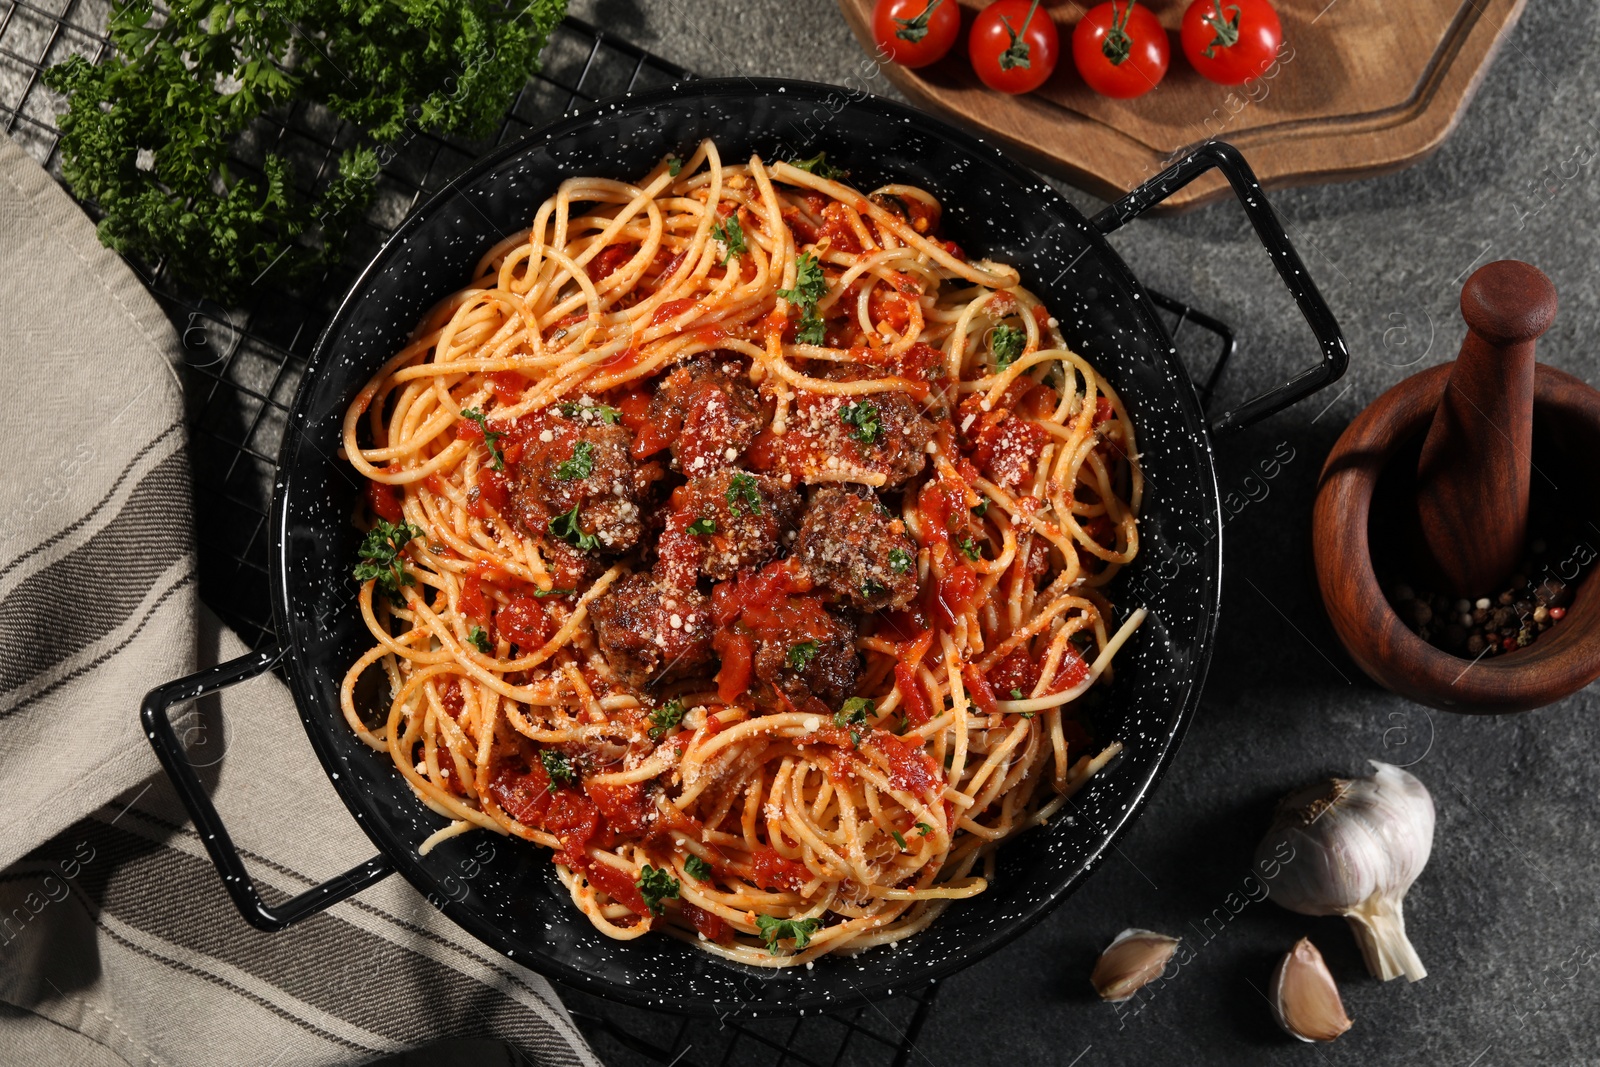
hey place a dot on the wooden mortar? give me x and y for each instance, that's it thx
(1453, 448)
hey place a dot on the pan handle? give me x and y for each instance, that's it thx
(169, 750)
(1226, 158)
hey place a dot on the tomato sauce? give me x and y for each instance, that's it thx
(906, 625)
(454, 703)
(525, 623)
(949, 598)
(889, 309)
(837, 230)
(627, 359)
(920, 362)
(671, 310)
(943, 505)
(491, 494)
(384, 502)
(1072, 670)
(627, 809)
(524, 795)
(910, 768)
(771, 871)
(704, 922)
(804, 232)
(913, 697)
(1019, 673)
(618, 885)
(610, 258)
(507, 386)
(979, 690)
(474, 602)
(1015, 675)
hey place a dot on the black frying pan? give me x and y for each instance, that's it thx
(994, 208)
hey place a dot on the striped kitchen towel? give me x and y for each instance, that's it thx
(117, 941)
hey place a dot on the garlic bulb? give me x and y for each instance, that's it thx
(1305, 999)
(1133, 960)
(1353, 848)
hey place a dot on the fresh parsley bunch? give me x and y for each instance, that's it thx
(148, 133)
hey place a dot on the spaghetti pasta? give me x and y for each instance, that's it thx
(736, 537)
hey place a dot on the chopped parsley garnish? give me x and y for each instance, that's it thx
(901, 723)
(491, 438)
(703, 526)
(1008, 342)
(871, 588)
(899, 839)
(819, 165)
(811, 330)
(608, 414)
(981, 508)
(1016, 694)
(801, 653)
(854, 712)
(666, 718)
(557, 766)
(542, 593)
(565, 526)
(581, 465)
(797, 930)
(915, 29)
(810, 284)
(970, 549)
(480, 638)
(743, 495)
(674, 166)
(656, 885)
(730, 235)
(697, 868)
(899, 560)
(924, 829)
(380, 556)
(863, 415)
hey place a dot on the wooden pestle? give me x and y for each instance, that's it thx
(1475, 469)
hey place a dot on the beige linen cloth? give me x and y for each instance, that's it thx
(117, 941)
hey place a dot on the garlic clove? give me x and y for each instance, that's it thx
(1132, 961)
(1305, 999)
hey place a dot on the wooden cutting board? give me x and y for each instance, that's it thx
(1363, 87)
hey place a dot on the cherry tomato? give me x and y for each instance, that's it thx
(1120, 49)
(1231, 42)
(1013, 46)
(914, 33)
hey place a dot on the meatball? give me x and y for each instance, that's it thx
(857, 552)
(875, 433)
(779, 643)
(819, 664)
(723, 523)
(650, 632)
(710, 410)
(575, 480)
(569, 567)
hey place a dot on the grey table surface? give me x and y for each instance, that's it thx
(1505, 915)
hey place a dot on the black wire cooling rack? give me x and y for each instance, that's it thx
(241, 370)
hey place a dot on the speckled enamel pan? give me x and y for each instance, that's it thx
(504, 891)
